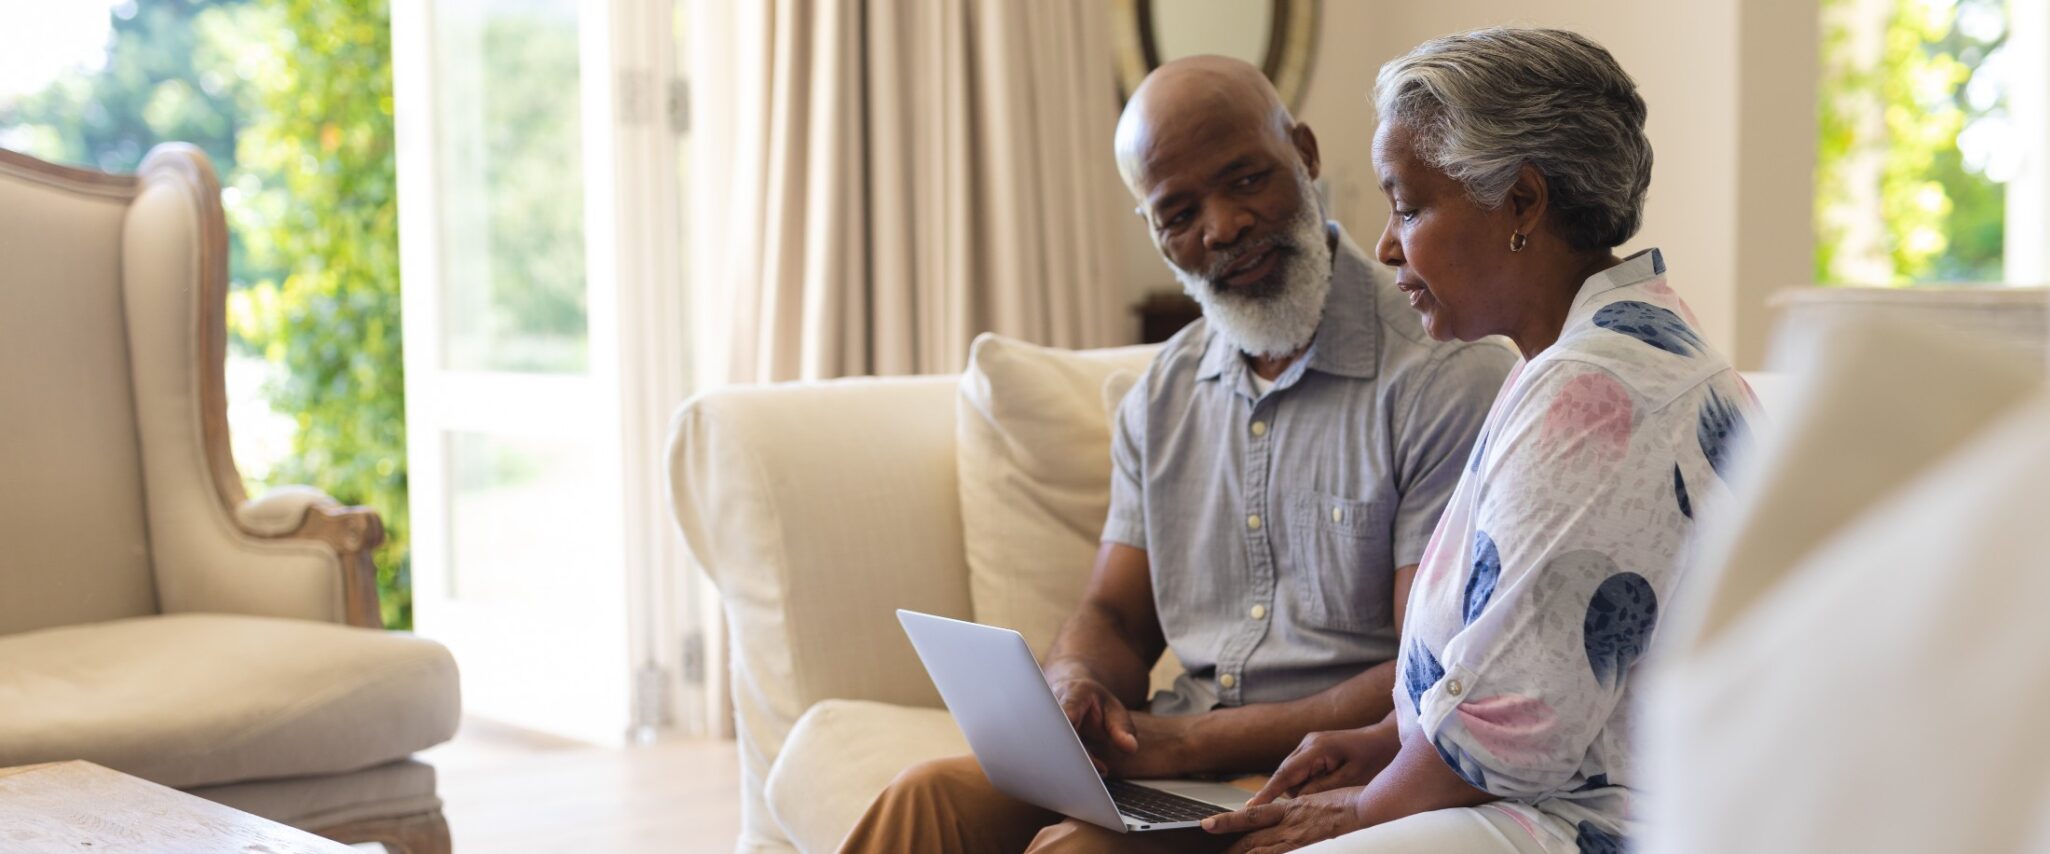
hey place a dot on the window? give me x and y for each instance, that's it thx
(1926, 115)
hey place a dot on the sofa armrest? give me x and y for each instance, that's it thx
(818, 510)
(306, 513)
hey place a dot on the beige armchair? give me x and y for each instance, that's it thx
(152, 618)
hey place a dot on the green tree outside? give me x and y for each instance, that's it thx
(326, 217)
(1895, 202)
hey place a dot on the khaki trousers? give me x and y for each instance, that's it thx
(949, 805)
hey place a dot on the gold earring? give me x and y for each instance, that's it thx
(1517, 241)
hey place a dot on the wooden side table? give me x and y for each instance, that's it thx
(82, 807)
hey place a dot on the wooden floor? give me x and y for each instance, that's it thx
(510, 791)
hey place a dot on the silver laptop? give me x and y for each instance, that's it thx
(1024, 742)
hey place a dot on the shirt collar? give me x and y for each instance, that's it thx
(1348, 337)
(1637, 269)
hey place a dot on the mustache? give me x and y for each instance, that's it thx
(1226, 258)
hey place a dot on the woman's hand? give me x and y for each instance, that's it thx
(1288, 825)
(1332, 760)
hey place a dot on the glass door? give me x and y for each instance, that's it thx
(532, 305)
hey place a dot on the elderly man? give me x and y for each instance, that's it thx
(1278, 473)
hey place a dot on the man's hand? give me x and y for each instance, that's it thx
(1164, 749)
(1123, 743)
(1288, 825)
(1103, 723)
(1332, 760)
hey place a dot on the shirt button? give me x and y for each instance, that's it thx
(1259, 428)
(1227, 680)
(1259, 612)
(1453, 687)
(1337, 514)
(1253, 521)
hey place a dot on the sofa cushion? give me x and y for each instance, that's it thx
(1033, 448)
(204, 699)
(841, 755)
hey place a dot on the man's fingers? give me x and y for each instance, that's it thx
(1117, 723)
(1262, 841)
(1087, 716)
(1077, 707)
(1249, 818)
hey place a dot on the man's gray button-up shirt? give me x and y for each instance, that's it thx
(1274, 523)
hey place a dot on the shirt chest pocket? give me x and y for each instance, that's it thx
(1340, 577)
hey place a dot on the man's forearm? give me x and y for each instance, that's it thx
(1257, 737)
(1093, 644)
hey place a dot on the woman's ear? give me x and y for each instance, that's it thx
(1528, 199)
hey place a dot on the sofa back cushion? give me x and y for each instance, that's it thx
(1034, 460)
(71, 510)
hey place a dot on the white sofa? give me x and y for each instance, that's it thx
(820, 508)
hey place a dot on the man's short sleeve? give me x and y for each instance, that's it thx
(1126, 523)
(1435, 441)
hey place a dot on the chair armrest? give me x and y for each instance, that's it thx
(818, 510)
(306, 513)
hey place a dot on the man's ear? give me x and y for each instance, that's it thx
(1529, 198)
(1305, 143)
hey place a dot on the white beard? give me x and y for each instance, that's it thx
(1276, 317)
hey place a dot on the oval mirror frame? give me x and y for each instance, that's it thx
(1291, 45)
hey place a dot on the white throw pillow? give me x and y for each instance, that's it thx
(1034, 461)
(1865, 664)
(1888, 696)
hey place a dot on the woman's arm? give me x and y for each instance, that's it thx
(1417, 781)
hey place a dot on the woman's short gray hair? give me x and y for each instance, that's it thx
(1481, 104)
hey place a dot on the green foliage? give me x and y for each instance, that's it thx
(1894, 201)
(325, 214)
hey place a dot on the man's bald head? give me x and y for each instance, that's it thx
(1225, 179)
(1192, 100)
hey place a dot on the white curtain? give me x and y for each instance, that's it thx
(880, 180)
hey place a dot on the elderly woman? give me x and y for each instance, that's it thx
(1515, 162)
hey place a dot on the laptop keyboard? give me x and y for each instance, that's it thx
(1157, 806)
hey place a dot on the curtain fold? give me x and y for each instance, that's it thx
(901, 175)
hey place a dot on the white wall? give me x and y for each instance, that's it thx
(1730, 85)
